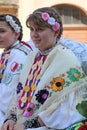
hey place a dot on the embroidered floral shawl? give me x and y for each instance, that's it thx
(61, 74)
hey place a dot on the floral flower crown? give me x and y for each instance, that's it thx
(13, 24)
(50, 20)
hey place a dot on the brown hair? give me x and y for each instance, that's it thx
(36, 18)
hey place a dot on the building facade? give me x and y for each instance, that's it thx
(73, 13)
(9, 6)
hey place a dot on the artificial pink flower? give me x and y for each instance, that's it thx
(31, 105)
(45, 16)
(51, 21)
(29, 111)
(56, 26)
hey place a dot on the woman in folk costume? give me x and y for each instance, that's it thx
(11, 59)
(78, 48)
(52, 83)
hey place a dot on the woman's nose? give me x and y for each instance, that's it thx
(35, 33)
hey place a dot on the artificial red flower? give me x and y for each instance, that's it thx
(83, 127)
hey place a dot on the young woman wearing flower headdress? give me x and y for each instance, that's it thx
(52, 82)
(11, 59)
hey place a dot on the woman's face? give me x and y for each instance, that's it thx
(7, 35)
(43, 38)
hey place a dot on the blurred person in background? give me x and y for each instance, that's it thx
(11, 59)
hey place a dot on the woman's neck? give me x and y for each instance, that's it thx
(47, 51)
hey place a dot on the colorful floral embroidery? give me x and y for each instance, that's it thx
(3, 63)
(57, 84)
(42, 95)
(33, 87)
(29, 111)
(37, 106)
(26, 88)
(19, 88)
(74, 74)
(16, 67)
(25, 101)
(30, 86)
(67, 84)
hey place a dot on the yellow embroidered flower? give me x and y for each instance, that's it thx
(6, 56)
(30, 77)
(26, 88)
(3, 66)
(33, 86)
(23, 99)
(57, 84)
(76, 75)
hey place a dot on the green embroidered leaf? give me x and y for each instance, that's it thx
(37, 106)
(82, 108)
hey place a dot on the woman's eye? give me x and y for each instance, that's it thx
(1, 31)
(31, 29)
(37, 29)
(40, 29)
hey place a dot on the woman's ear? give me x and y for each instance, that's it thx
(17, 35)
(56, 33)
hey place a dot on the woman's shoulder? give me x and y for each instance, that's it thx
(23, 48)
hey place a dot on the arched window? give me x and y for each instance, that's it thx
(71, 14)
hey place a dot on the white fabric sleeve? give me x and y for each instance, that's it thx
(6, 93)
(64, 116)
(5, 96)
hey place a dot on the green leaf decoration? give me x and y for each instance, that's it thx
(82, 108)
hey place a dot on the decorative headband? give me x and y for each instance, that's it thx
(13, 24)
(50, 20)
